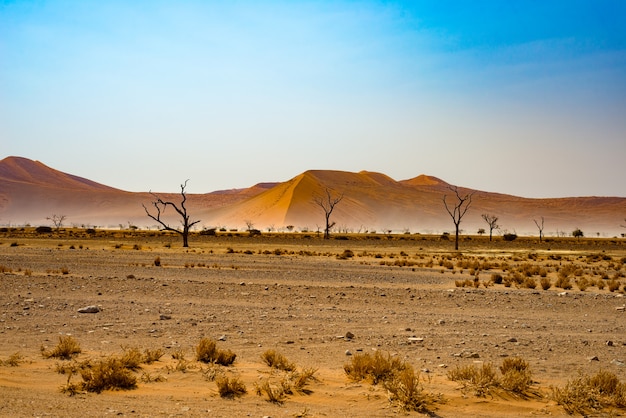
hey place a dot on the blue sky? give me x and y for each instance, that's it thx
(518, 97)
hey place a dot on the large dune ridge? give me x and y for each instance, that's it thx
(30, 192)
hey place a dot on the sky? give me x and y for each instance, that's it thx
(519, 97)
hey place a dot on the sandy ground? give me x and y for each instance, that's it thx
(300, 301)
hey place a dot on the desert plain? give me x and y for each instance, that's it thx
(320, 303)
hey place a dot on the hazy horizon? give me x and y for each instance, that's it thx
(527, 99)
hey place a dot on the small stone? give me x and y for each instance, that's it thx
(349, 335)
(443, 366)
(441, 322)
(348, 353)
(609, 343)
(562, 294)
(512, 340)
(242, 284)
(593, 358)
(416, 339)
(89, 309)
(164, 317)
(620, 308)
(618, 363)
(222, 338)
(474, 355)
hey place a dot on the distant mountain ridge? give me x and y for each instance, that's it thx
(30, 191)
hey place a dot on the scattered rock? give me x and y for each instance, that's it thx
(348, 353)
(164, 317)
(618, 363)
(609, 343)
(416, 339)
(222, 338)
(620, 308)
(512, 340)
(563, 294)
(349, 335)
(441, 322)
(89, 309)
(593, 358)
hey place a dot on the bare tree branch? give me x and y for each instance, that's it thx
(540, 227)
(327, 203)
(492, 221)
(462, 204)
(161, 205)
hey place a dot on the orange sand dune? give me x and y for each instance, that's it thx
(31, 191)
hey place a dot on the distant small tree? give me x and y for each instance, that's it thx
(161, 205)
(481, 231)
(577, 233)
(459, 209)
(492, 221)
(540, 227)
(57, 220)
(289, 228)
(327, 203)
(249, 225)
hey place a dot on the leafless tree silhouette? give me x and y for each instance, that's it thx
(57, 220)
(492, 221)
(328, 203)
(540, 227)
(460, 207)
(161, 205)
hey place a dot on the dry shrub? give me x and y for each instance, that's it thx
(230, 387)
(516, 375)
(582, 284)
(496, 278)
(377, 367)
(277, 361)
(150, 356)
(207, 352)
(275, 394)
(586, 395)
(406, 390)
(545, 283)
(148, 378)
(299, 380)
(481, 380)
(107, 374)
(14, 360)
(563, 282)
(529, 283)
(613, 285)
(66, 349)
(131, 358)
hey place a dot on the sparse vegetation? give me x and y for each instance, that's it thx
(277, 361)
(230, 387)
(66, 349)
(587, 395)
(207, 352)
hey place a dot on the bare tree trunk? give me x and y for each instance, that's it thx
(461, 206)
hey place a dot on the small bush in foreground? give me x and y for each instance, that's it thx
(230, 387)
(591, 394)
(481, 380)
(376, 367)
(14, 360)
(66, 349)
(107, 374)
(406, 390)
(207, 352)
(277, 361)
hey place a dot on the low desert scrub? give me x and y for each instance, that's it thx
(613, 285)
(481, 380)
(290, 384)
(14, 360)
(230, 387)
(150, 356)
(5, 269)
(376, 367)
(545, 283)
(66, 349)
(131, 358)
(516, 377)
(563, 282)
(107, 374)
(587, 395)
(148, 378)
(277, 361)
(406, 390)
(207, 352)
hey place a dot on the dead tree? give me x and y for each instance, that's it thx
(161, 205)
(328, 203)
(540, 227)
(461, 205)
(492, 221)
(57, 220)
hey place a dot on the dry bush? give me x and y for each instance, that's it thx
(148, 378)
(277, 361)
(207, 352)
(66, 349)
(230, 387)
(107, 374)
(529, 283)
(297, 381)
(131, 358)
(14, 360)
(516, 375)
(406, 390)
(582, 284)
(377, 367)
(545, 283)
(563, 283)
(150, 356)
(481, 380)
(587, 395)
(496, 278)
(275, 394)
(613, 285)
